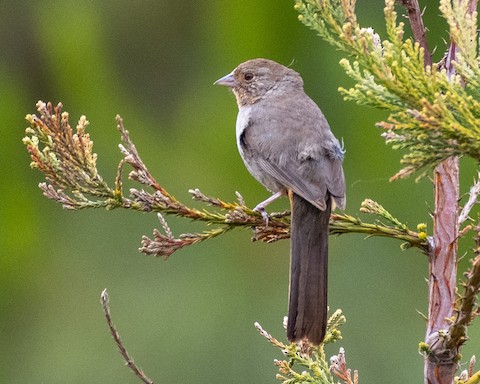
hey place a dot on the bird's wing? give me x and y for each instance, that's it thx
(289, 178)
(309, 164)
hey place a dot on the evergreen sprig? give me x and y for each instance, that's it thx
(431, 114)
(315, 368)
(72, 179)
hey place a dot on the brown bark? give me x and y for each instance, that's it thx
(416, 23)
(441, 363)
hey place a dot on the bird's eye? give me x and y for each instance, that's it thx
(248, 76)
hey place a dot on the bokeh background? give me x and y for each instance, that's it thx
(189, 319)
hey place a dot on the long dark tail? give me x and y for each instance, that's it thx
(307, 309)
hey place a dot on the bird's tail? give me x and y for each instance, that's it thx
(307, 309)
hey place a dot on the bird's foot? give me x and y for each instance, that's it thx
(260, 208)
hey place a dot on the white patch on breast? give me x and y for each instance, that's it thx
(243, 120)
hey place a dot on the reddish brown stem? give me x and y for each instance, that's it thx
(416, 23)
(441, 363)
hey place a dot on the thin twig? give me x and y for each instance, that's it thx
(472, 200)
(468, 302)
(128, 360)
(418, 29)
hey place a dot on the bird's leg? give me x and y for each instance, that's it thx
(260, 208)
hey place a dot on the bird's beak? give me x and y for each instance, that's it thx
(227, 80)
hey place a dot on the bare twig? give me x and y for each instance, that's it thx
(457, 334)
(128, 360)
(418, 29)
(472, 200)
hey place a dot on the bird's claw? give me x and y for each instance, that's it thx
(261, 209)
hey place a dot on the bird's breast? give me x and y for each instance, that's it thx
(243, 121)
(250, 146)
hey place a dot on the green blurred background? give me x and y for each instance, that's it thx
(189, 319)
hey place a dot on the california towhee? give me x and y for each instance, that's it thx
(286, 144)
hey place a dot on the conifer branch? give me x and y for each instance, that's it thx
(69, 164)
(432, 115)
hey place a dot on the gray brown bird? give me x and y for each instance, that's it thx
(287, 145)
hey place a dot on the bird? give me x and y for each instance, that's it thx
(287, 145)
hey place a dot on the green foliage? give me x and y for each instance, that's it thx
(312, 359)
(431, 114)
